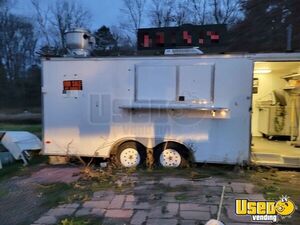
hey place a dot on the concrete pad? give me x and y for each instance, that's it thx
(238, 187)
(96, 204)
(135, 205)
(257, 197)
(249, 188)
(162, 221)
(47, 220)
(130, 198)
(172, 208)
(117, 202)
(175, 181)
(119, 213)
(98, 212)
(61, 211)
(213, 209)
(195, 215)
(156, 212)
(168, 211)
(188, 222)
(73, 205)
(194, 207)
(83, 212)
(139, 217)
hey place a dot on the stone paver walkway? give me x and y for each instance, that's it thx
(167, 201)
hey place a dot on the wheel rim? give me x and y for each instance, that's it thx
(130, 157)
(170, 158)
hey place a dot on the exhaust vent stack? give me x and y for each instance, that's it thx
(79, 42)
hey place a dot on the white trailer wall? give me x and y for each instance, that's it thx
(90, 121)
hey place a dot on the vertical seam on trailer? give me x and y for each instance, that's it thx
(177, 83)
(212, 86)
(135, 83)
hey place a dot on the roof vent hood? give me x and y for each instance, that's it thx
(79, 42)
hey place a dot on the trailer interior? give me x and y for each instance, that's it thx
(275, 120)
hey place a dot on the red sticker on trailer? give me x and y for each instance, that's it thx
(72, 85)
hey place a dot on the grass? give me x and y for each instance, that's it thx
(54, 194)
(274, 183)
(20, 110)
(195, 173)
(3, 192)
(61, 193)
(81, 221)
(33, 128)
(181, 197)
(18, 169)
(167, 188)
(81, 190)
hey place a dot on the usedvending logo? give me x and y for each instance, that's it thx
(265, 210)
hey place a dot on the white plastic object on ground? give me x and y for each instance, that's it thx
(214, 222)
(19, 142)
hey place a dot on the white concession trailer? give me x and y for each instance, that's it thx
(181, 107)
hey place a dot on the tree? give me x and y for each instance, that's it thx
(3, 86)
(291, 16)
(162, 12)
(32, 86)
(182, 13)
(42, 20)
(264, 26)
(17, 48)
(225, 11)
(58, 18)
(124, 42)
(17, 43)
(67, 15)
(105, 39)
(134, 11)
(199, 10)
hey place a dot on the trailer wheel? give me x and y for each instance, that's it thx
(171, 155)
(131, 154)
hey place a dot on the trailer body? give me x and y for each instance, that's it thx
(92, 105)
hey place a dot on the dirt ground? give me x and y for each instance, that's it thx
(44, 194)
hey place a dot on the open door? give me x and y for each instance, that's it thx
(276, 114)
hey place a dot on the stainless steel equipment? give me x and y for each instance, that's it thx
(293, 89)
(274, 121)
(79, 42)
(274, 116)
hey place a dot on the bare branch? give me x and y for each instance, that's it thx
(225, 11)
(199, 11)
(42, 20)
(182, 13)
(162, 12)
(134, 11)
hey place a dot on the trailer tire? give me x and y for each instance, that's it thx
(171, 155)
(131, 154)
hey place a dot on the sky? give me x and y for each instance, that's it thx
(104, 12)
